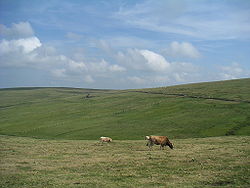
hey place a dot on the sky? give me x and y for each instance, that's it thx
(122, 44)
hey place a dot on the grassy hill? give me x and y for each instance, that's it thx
(184, 111)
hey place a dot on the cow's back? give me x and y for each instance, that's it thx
(158, 139)
(105, 139)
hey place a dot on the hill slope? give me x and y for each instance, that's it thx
(194, 110)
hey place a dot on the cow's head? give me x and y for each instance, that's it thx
(171, 145)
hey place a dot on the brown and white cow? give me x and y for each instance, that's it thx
(158, 140)
(105, 139)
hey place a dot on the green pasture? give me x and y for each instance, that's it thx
(49, 136)
(194, 162)
(185, 111)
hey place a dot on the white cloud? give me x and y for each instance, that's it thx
(25, 45)
(76, 66)
(233, 71)
(124, 42)
(103, 45)
(89, 79)
(132, 67)
(116, 68)
(130, 58)
(124, 68)
(100, 66)
(182, 49)
(71, 69)
(59, 73)
(103, 67)
(147, 68)
(178, 73)
(17, 30)
(46, 51)
(31, 53)
(155, 61)
(5, 47)
(137, 80)
(204, 20)
(142, 60)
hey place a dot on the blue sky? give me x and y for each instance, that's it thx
(121, 44)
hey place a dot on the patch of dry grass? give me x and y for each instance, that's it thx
(201, 162)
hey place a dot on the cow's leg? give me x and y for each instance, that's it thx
(162, 147)
(150, 144)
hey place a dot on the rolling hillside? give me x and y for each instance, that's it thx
(184, 111)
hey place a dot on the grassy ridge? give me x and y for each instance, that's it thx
(200, 162)
(238, 90)
(66, 113)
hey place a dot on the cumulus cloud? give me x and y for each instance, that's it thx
(137, 80)
(59, 73)
(102, 67)
(20, 52)
(25, 45)
(177, 73)
(142, 60)
(17, 30)
(233, 71)
(116, 68)
(130, 58)
(148, 68)
(182, 49)
(150, 61)
(76, 66)
(126, 67)
(155, 61)
(89, 79)
(131, 67)
(29, 52)
(26, 50)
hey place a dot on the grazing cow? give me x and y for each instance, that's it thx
(158, 140)
(105, 139)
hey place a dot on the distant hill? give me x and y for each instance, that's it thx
(184, 111)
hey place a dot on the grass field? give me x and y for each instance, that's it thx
(196, 162)
(185, 111)
(208, 123)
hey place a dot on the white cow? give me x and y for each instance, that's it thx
(105, 139)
